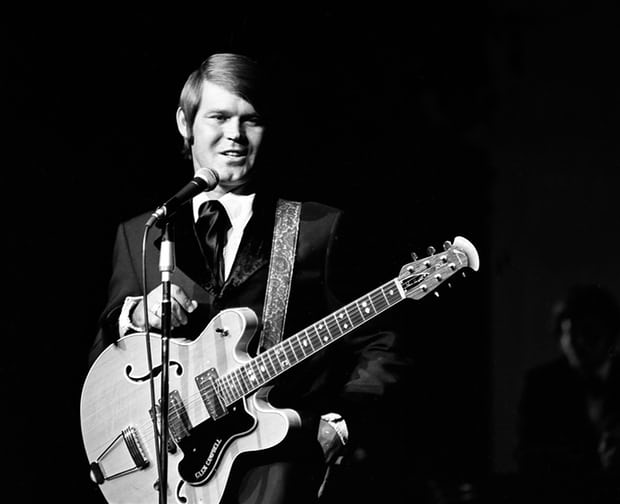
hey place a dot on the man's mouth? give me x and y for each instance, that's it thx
(234, 153)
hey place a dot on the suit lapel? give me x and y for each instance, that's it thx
(255, 245)
(253, 253)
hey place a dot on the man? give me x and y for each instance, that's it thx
(569, 416)
(223, 118)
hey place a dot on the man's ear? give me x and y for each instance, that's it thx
(183, 127)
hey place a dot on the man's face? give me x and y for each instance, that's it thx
(227, 134)
(586, 342)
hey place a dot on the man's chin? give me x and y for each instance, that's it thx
(243, 185)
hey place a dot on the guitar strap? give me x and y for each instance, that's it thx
(332, 434)
(283, 248)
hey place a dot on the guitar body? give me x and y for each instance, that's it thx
(117, 428)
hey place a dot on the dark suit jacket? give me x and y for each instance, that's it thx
(558, 442)
(347, 377)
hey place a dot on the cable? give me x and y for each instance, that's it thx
(149, 357)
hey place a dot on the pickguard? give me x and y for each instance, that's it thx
(207, 441)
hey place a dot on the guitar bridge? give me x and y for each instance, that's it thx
(118, 457)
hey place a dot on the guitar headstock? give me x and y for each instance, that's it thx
(423, 276)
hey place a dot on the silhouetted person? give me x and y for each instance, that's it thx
(569, 415)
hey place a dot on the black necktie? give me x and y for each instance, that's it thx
(212, 227)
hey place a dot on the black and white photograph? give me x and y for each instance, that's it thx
(312, 253)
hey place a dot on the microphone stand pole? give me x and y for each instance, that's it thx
(166, 267)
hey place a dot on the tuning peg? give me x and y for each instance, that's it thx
(436, 294)
(446, 245)
(414, 256)
(430, 250)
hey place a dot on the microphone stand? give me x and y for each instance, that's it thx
(166, 267)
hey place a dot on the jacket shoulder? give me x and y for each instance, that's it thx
(314, 211)
(136, 222)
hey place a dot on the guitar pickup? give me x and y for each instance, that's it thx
(207, 386)
(179, 423)
(178, 420)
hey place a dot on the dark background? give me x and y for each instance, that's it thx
(495, 121)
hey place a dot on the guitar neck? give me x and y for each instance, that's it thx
(276, 360)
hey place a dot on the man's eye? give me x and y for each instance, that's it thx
(253, 120)
(217, 117)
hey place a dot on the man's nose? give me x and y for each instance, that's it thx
(234, 129)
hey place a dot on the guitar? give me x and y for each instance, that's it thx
(218, 406)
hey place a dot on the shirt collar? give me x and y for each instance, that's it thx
(237, 206)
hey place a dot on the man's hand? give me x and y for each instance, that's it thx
(332, 436)
(609, 450)
(182, 306)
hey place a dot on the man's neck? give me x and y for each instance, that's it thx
(244, 189)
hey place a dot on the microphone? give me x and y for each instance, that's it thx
(205, 179)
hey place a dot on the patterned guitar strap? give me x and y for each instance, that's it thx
(332, 435)
(281, 263)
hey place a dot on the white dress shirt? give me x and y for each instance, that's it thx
(239, 210)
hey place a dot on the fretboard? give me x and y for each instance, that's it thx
(276, 360)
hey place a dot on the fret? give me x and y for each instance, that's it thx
(220, 386)
(225, 390)
(259, 370)
(392, 293)
(262, 367)
(243, 378)
(359, 311)
(315, 338)
(272, 370)
(275, 362)
(285, 354)
(355, 315)
(381, 302)
(351, 323)
(323, 333)
(384, 297)
(235, 385)
(378, 301)
(306, 343)
(225, 380)
(232, 389)
(281, 356)
(333, 327)
(343, 321)
(291, 353)
(366, 307)
(251, 372)
(297, 348)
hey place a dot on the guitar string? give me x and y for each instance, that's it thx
(302, 338)
(145, 430)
